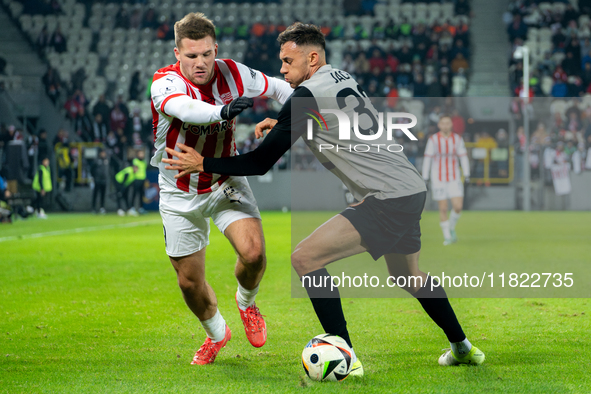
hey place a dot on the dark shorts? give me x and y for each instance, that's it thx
(389, 226)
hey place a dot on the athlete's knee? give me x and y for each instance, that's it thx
(301, 263)
(190, 283)
(252, 256)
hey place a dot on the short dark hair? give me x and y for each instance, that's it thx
(193, 26)
(303, 34)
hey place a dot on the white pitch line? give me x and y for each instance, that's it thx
(77, 230)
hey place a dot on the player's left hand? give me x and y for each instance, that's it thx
(266, 125)
(189, 160)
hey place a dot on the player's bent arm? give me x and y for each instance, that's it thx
(192, 111)
(257, 162)
(278, 90)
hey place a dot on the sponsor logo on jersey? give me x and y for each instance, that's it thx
(253, 74)
(226, 97)
(168, 90)
(209, 129)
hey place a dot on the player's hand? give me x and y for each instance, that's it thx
(235, 107)
(189, 160)
(265, 125)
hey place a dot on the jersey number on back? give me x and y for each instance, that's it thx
(361, 108)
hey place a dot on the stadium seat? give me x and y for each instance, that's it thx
(16, 9)
(447, 11)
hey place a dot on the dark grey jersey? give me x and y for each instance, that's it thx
(358, 152)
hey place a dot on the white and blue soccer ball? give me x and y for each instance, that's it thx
(327, 358)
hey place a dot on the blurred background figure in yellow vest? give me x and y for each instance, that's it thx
(123, 181)
(138, 183)
(42, 186)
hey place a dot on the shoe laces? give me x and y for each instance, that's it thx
(206, 350)
(252, 313)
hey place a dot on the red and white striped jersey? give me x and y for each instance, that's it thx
(211, 136)
(443, 156)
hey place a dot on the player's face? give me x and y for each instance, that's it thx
(445, 124)
(197, 59)
(294, 64)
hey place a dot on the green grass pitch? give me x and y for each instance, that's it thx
(93, 307)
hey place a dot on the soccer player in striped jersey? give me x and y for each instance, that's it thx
(392, 192)
(194, 102)
(444, 153)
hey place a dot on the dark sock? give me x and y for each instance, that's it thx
(437, 306)
(326, 303)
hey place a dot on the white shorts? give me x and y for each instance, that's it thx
(185, 216)
(446, 190)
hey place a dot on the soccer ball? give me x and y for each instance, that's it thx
(327, 358)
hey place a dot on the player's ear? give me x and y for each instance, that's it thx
(216, 50)
(177, 54)
(313, 58)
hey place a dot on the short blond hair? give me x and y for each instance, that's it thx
(194, 26)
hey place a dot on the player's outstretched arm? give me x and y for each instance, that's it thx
(198, 112)
(257, 162)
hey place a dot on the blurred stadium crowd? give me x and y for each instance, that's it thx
(101, 55)
(558, 35)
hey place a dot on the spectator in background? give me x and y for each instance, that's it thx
(459, 63)
(362, 66)
(42, 185)
(404, 56)
(136, 129)
(559, 75)
(586, 75)
(419, 87)
(43, 149)
(52, 83)
(119, 115)
(101, 107)
(122, 18)
(135, 20)
(517, 29)
(462, 7)
(99, 129)
(164, 32)
(348, 64)
(460, 48)
(76, 82)
(587, 58)
(570, 65)
(575, 87)
(100, 175)
(83, 125)
(135, 88)
(139, 179)
(58, 41)
(150, 19)
(43, 40)
(64, 161)
(458, 123)
(123, 180)
(72, 107)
